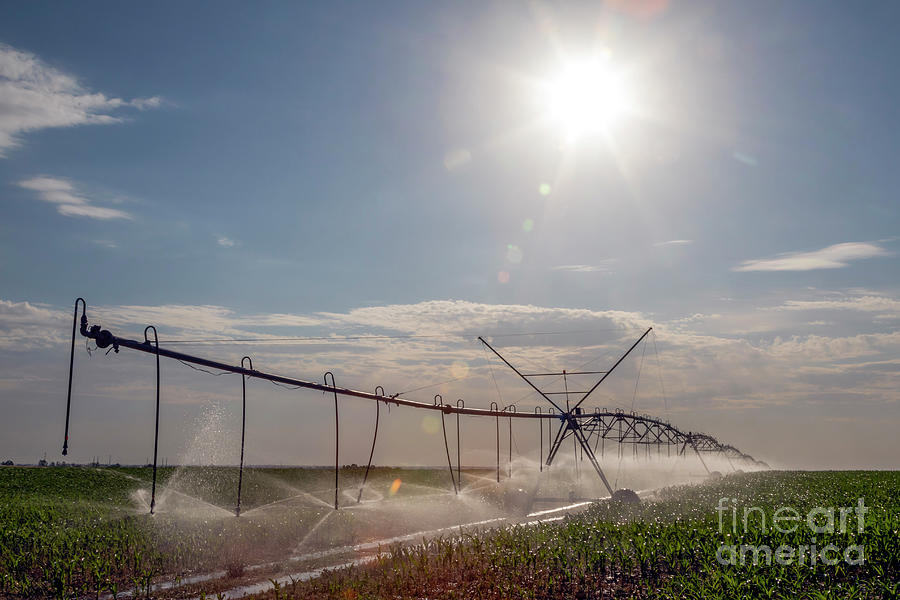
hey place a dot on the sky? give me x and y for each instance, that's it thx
(724, 172)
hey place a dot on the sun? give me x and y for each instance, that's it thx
(587, 97)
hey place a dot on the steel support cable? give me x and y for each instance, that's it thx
(525, 358)
(287, 387)
(659, 372)
(558, 377)
(439, 401)
(219, 374)
(491, 369)
(372, 451)
(517, 372)
(637, 379)
(613, 368)
(431, 385)
(237, 512)
(326, 338)
(540, 368)
(336, 437)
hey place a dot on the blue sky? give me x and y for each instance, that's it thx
(252, 167)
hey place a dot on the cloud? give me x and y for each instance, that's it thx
(455, 159)
(867, 303)
(27, 325)
(827, 349)
(832, 257)
(469, 319)
(674, 243)
(68, 200)
(704, 378)
(34, 96)
(225, 242)
(747, 159)
(604, 266)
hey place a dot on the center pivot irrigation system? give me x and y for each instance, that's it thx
(584, 427)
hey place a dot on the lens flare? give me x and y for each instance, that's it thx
(459, 369)
(431, 424)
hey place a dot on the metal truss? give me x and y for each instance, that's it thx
(619, 426)
(585, 427)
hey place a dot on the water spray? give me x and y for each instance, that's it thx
(374, 439)
(439, 401)
(337, 446)
(156, 430)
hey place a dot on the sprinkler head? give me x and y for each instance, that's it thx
(104, 338)
(626, 496)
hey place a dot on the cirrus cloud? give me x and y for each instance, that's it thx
(831, 257)
(68, 200)
(34, 96)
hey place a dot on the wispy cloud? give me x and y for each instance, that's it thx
(832, 257)
(708, 373)
(867, 303)
(603, 266)
(674, 243)
(225, 242)
(68, 200)
(34, 95)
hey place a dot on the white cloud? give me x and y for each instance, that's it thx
(820, 348)
(604, 266)
(461, 317)
(832, 257)
(674, 243)
(27, 325)
(225, 242)
(455, 159)
(34, 95)
(713, 380)
(745, 158)
(868, 303)
(68, 200)
(92, 212)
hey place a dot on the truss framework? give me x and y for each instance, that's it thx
(619, 426)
